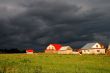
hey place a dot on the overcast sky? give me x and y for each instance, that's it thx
(36, 23)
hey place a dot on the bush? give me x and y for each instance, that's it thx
(108, 52)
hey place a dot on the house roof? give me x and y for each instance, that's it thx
(29, 50)
(65, 48)
(57, 46)
(88, 46)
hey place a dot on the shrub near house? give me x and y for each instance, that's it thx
(108, 50)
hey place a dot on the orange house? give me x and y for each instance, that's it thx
(53, 48)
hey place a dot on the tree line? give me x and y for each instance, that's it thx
(14, 50)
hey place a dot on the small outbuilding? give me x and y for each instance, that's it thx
(65, 50)
(29, 51)
(53, 48)
(93, 48)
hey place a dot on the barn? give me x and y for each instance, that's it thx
(53, 48)
(65, 50)
(93, 48)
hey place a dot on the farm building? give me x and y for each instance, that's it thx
(93, 48)
(65, 50)
(29, 51)
(53, 48)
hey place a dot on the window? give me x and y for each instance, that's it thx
(98, 50)
(97, 46)
(52, 48)
(87, 50)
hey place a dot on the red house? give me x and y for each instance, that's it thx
(29, 51)
(53, 48)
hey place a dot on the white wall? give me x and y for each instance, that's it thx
(89, 51)
(65, 52)
(51, 47)
(97, 44)
(101, 51)
(29, 52)
(94, 51)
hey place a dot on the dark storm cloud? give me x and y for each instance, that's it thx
(36, 23)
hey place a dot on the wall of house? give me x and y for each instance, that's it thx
(29, 52)
(99, 51)
(97, 45)
(50, 51)
(51, 47)
(65, 52)
(93, 51)
(87, 51)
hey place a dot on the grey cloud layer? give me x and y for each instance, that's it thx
(36, 23)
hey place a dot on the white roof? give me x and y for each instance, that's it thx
(65, 48)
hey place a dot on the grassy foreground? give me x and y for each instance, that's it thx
(45, 63)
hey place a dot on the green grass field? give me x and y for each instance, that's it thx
(45, 63)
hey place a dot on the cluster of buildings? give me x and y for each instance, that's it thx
(89, 48)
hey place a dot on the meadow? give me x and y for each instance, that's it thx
(53, 63)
